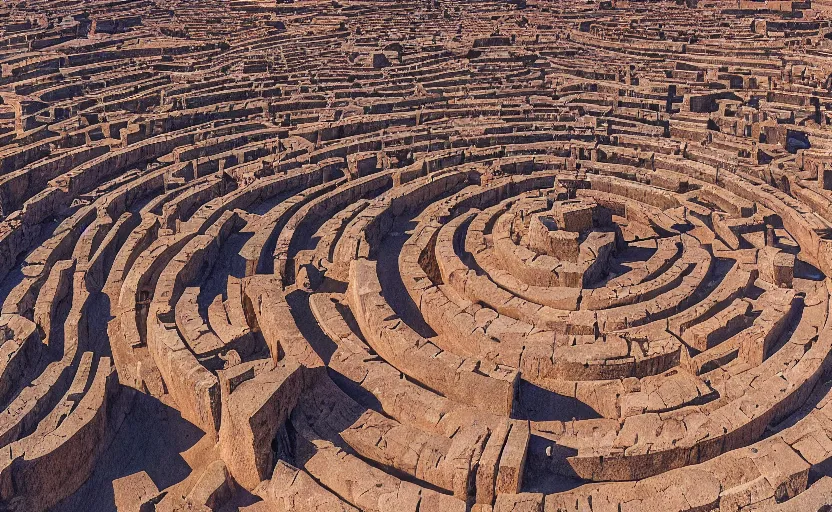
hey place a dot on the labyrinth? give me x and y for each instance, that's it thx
(421, 256)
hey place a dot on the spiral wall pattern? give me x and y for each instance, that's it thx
(433, 256)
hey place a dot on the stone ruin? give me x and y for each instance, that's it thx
(429, 256)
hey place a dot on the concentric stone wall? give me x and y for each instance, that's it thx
(432, 256)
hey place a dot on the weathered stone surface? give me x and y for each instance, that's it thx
(415, 257)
